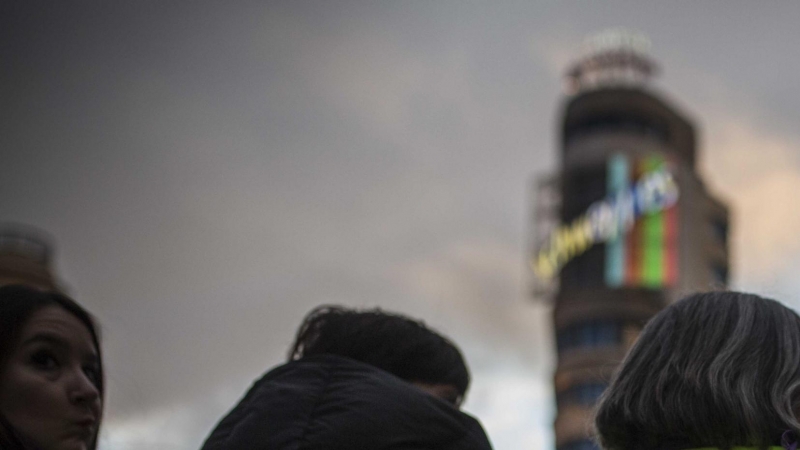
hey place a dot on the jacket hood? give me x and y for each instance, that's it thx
(331, 402)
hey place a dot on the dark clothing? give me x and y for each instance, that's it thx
(9, 439)
(334, 403)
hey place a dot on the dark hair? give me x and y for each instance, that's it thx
(716, 369)
(397, 344)
(17, 304)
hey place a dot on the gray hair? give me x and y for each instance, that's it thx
(716, 369)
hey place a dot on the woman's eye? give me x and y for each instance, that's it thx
(44, 360)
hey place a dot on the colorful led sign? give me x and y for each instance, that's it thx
(610, 219)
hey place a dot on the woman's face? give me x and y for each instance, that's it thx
(48, 384)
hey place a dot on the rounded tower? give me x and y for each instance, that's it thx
(635, 226)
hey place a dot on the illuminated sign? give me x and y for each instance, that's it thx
(608, 220)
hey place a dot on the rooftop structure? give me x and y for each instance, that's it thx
(26, 257)
(614, 57)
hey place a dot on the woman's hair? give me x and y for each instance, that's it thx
(17, 304)
(716, 369)
(397, 344)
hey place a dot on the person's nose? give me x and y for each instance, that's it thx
(83, 390)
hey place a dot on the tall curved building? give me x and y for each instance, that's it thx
(633, 225)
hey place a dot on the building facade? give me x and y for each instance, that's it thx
(634, 229)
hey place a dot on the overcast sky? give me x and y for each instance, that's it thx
(212, 171)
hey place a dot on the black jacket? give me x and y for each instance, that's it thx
(335, 403)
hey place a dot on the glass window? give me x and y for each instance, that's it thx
(589, 334)
(646, 126)
(584, 394)
(607, 333)
(720, 229)
(720, 274)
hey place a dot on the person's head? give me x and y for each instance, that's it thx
(716, 369)
(51, 371)
(399, 345)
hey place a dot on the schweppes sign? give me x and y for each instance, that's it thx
(608, 221)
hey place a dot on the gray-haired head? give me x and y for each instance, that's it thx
(716, 369)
